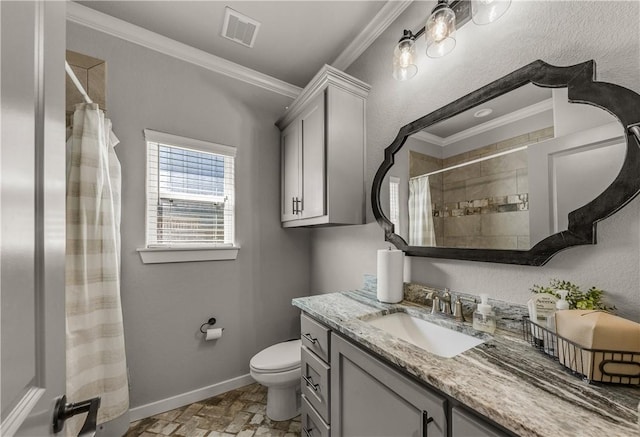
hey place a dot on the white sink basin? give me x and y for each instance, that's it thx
(433, 338)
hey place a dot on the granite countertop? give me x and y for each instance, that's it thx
(504, 379)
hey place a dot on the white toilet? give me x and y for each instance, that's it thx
(278, 368)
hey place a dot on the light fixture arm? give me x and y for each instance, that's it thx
(410, 35)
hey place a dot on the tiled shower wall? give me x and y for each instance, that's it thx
(485, 204)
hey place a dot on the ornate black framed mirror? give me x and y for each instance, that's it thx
(513, 172)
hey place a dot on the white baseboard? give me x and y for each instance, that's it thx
(190, 397)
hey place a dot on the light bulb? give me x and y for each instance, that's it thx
(440, 30)
(404, 58)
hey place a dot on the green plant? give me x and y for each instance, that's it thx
(578, 299)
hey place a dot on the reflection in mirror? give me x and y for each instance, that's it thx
(504, 175)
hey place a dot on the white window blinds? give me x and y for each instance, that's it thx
(190, 192)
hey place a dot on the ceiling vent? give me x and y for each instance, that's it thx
(239, 28)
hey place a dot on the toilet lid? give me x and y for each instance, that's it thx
(278, 358)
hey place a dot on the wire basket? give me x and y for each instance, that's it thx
(608, 366)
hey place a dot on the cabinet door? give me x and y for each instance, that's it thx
(369, 398)
(464, 424)
(312, 123)
(291, 171)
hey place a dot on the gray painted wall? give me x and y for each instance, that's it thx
(561, 33)
(165, 304)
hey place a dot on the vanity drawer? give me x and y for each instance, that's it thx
(315, 336)
(312, 423)
(315, 382)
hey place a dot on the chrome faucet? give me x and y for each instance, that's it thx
(432, 296)
(458, 311)
(435, 305)
(446, 302)
(442, 304)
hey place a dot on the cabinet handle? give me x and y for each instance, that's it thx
(307, 431)
(310, 383)
(295, 205)
(310, 338)
(426, 420)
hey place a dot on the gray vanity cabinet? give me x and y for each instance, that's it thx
(465, 424)
(322, 152)
(369, 398)
(348, 392)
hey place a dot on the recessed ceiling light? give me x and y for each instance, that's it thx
(482, 112)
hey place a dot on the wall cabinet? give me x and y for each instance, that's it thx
(350, 392)
(322, 152)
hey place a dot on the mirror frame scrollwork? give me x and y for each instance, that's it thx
(621, 102)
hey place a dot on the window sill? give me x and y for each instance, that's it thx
(160, 255)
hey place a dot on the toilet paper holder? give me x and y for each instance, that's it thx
(212, 321)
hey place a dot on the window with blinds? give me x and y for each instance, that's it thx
(190, 192)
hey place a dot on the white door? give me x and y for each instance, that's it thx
(32, 215)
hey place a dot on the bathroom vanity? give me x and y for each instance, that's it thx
(360, 380)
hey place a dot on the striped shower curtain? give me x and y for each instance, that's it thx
(421, 225)
(96, 362)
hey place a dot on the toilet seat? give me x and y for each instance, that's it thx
(281, 357)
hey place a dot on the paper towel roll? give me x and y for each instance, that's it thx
(390, 270)
(406, 276)
(214, 333)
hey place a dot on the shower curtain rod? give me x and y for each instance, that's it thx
(464, 164)
(76, 82)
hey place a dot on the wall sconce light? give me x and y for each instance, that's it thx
(404, 65)
(440, 30)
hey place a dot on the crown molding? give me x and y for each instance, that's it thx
(383, 19)
(104, 23)
(514, 116)
(327, 75)
(429, 138)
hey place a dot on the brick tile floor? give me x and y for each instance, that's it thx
(240, 413)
